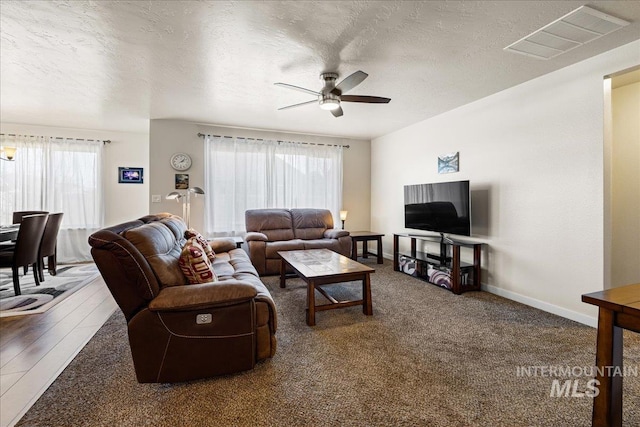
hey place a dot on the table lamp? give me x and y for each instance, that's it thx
(343, 217)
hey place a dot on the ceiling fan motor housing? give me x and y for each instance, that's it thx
(329, 81)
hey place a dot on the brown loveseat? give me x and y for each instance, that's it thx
(273, 230)
(180, 332)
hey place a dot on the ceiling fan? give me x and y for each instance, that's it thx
(331, 95)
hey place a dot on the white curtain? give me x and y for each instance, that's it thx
(56, 175)
(243, 174)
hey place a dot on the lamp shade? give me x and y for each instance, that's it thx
(343, 215)
(8, 152)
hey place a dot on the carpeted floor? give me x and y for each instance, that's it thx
(426, 357)
(38, 299)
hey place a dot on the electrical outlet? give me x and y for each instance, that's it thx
(156, 198)
(203, 318)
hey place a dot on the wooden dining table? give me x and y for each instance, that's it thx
(618, 309)
(9, 232)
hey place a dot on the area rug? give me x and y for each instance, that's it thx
(426, 357)
(38, 299)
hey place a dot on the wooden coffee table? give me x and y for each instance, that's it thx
(319, 267)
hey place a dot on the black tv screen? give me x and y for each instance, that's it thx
(443, 207)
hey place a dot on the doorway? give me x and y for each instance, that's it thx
(622, 178)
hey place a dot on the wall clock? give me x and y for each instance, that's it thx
(181, 161)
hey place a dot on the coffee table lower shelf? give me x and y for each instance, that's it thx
(318, 267)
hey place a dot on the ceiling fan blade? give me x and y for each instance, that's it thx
(298, 105)
(350, 82)
(337, 112)
(301, 89)
(363, 98)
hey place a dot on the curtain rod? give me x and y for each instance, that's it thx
(278, 140)
(104, 141)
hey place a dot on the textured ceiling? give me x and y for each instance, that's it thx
(115, 65)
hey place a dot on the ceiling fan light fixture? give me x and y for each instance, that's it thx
(332, 95)
(329, 104)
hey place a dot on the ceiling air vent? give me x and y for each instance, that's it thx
(572, 30)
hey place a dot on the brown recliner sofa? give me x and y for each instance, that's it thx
(180, 332)
(273, 230)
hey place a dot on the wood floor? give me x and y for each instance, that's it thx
(35, 349)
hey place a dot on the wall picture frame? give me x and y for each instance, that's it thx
(182, 181)
(449, 163)
(130, 175)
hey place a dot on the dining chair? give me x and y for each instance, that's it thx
(48, 245)
(25, 252)
(17, 216)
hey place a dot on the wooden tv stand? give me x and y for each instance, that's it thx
(440, 269)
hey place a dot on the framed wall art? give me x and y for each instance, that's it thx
(130, 175)
(182, 181)
(448, 163)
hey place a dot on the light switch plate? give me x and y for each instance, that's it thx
(201, 319)
(156, 198)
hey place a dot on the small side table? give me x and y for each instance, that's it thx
(364, 237)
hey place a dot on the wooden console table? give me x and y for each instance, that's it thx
(426, 260)
(619, 308)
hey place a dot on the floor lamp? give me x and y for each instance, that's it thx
(185, 198)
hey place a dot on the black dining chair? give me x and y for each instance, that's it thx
(17, 216)
(25, 252)
(48, 246)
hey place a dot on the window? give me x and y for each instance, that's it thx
(56, 175)
(243, 174)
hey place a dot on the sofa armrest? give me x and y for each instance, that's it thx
(254, 235)
(222, 244)
(205, 295)
(335, 234)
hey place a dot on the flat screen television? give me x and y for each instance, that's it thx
(442, 207)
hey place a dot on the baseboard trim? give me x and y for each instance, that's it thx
(544, 306)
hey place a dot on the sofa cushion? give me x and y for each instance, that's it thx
(158, 243)
(273, 223)
(195, 263)
(311, 223)
(177, 227)
(287, 245)
(331, 244)
(236, 266)
(222, 244)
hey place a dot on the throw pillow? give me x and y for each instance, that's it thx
(191, 233)
(195, 264)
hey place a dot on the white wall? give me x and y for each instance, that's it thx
(625, 185)
(534, 156)
(170, 136)
(123, 202)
